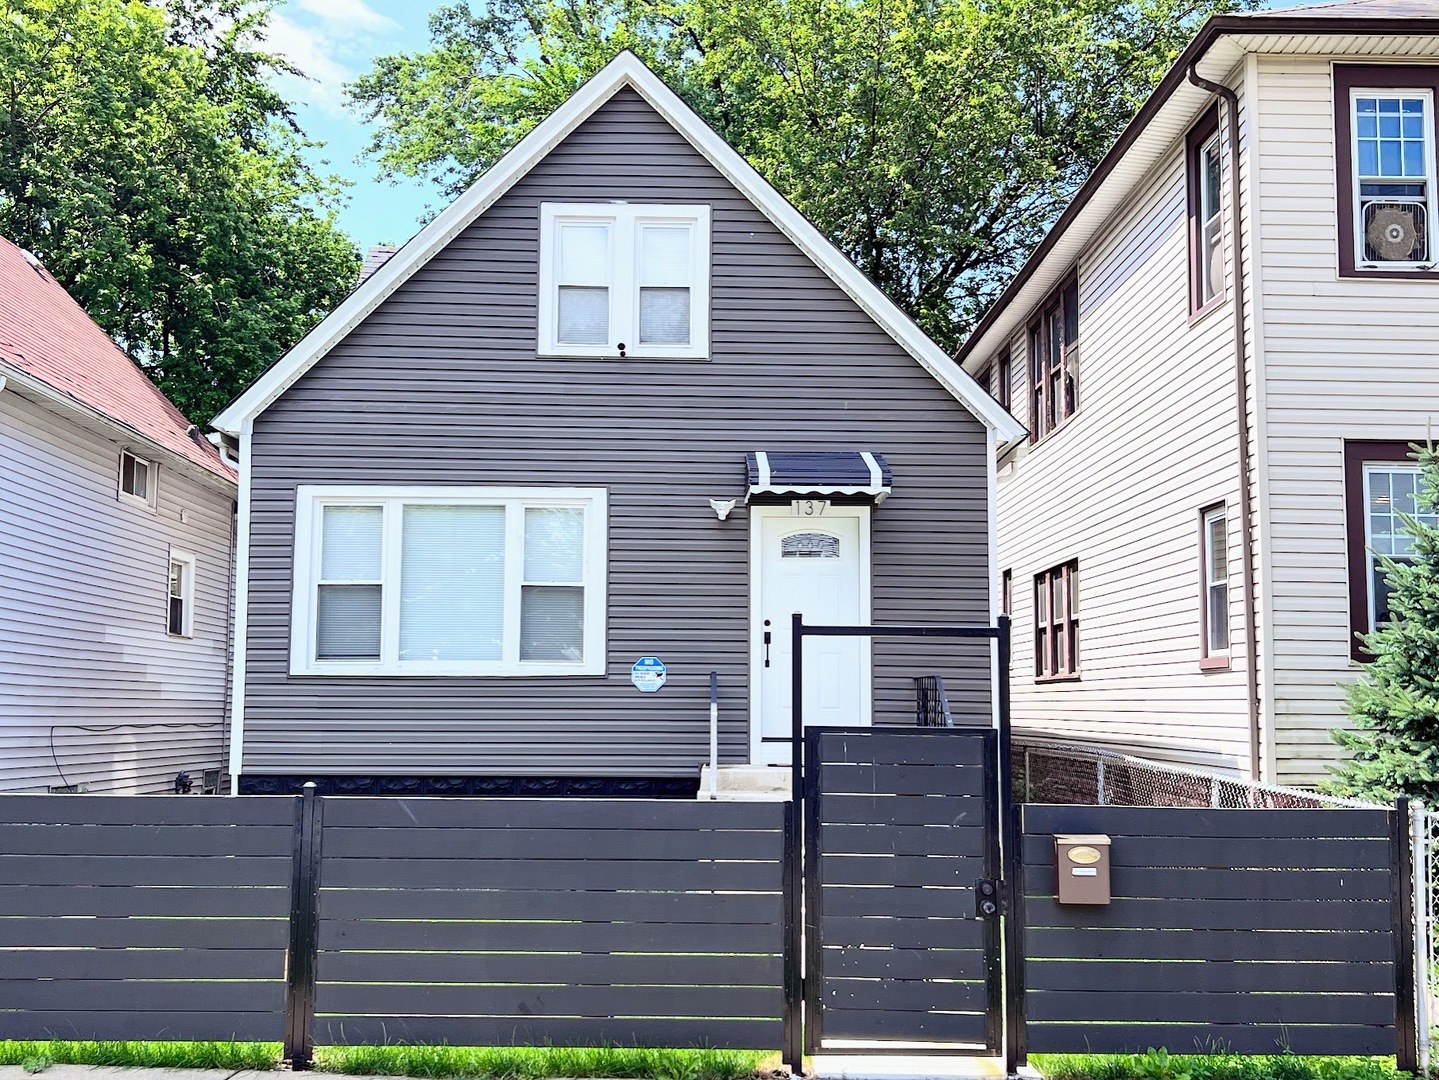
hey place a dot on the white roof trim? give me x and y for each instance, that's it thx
(625, 70)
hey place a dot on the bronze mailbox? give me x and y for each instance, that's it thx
(1082, 862)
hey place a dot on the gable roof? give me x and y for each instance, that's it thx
(626, 70)
(47, 336)
(1168, 112)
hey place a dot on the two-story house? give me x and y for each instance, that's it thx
(116, 560)
(598, 431)
(1221, 352)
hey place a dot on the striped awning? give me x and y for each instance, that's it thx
(848, 472)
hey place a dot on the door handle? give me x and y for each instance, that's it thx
(766, 648)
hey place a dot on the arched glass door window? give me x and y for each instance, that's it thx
(809, 545)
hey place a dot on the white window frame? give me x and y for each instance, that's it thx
(1431, 177)
(1371, 558)
(152, 475)
(187, 592)
(1213, 581)
(624, 220)
(1210, 290)
(309, 504)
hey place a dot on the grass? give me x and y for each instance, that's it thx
(481, 1063)
(1159, 1065)
(35, 1056)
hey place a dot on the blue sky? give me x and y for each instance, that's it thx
(333, 41)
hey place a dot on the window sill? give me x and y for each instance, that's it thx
(448, 671)
(1197, 315)
(137, 502)
(1214, 663)
(1397, 273)
(613, 354)
(1067, 677)
(1036, 440)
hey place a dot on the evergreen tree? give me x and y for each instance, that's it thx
(1395, 704)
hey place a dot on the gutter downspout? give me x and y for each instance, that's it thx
(1241, 411)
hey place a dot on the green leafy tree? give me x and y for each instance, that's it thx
(1395, 704)
(933, 140)
(146, 160)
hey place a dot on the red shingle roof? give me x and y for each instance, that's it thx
(49, 337)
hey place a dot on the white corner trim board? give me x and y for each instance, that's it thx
(626, 70)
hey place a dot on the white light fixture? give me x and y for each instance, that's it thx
(722, 507)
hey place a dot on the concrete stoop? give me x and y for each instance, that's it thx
(838, 1065)
(747, 783)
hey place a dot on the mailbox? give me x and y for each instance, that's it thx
(1082, 862)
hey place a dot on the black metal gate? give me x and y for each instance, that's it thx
(902, 942)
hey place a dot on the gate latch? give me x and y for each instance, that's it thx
(986, 899)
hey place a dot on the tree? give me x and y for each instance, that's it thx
(933, 140)
(1395, 704)
(147, 162)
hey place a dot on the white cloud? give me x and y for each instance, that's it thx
(328, 40)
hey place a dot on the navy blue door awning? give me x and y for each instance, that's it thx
(849, 472)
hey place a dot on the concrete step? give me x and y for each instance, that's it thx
(747, 783)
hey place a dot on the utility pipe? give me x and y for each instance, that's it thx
(1241, 414)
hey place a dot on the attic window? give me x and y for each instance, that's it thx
(624, 280)
(137, 480)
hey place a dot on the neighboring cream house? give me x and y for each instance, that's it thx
(116, 560)
(1167, 601)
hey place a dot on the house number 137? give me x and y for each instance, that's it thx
(809, 507)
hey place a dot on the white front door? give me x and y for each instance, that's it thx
(818, 566)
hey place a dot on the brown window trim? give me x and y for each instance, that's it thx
(1346, 78)
(1209, 661)
(985, 377)
(1036, 344)
(1066, 627)
(1004, 365)
(1356, 453)
(1198, 135)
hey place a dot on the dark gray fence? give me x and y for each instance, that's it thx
(901, 831)
(500, 922)
(1252, 930)
(144, 918)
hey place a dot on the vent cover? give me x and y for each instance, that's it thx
(1395, 232)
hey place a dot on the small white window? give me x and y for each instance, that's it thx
(1215, 527)
(180, 610)
(137, 480)
(1211, 247)
(621, 280)
(1391, 490)
(1393, 162)
(436, 581)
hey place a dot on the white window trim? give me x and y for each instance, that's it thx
(187, 590)
(1209, 291)
(625, 220)
(1431, 204)
(152, 476)
(309, 500)
(1371, 558)
(1211, 581)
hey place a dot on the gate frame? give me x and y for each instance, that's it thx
(796, 823)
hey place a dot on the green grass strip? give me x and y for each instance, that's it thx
(1159, 1065)
(156, 1055)
(489, 1063)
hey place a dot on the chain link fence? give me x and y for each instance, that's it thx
(1056, 773)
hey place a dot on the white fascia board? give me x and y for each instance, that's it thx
(625, 70)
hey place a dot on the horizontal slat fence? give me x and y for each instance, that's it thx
(135, 917)
(1256, 931)
(514, 921)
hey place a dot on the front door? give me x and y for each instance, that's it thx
(818, 566)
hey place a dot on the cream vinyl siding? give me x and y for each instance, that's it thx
(1343, 359)
(1119, 488)
(84, 652)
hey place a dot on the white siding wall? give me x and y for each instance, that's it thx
(84, 653)
(1120, 488)
(1343, 359)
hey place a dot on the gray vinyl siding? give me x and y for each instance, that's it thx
(441, 385)
(89, 679)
